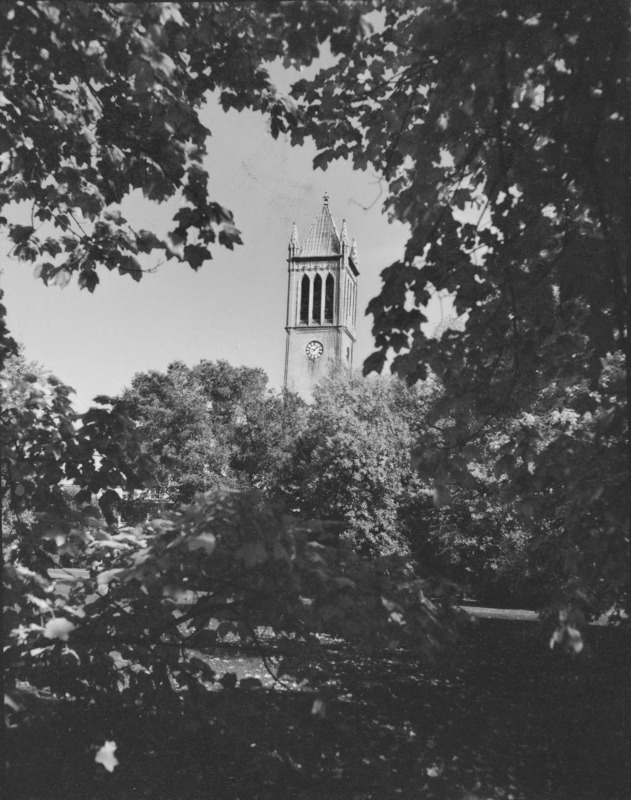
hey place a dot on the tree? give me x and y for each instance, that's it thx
(138, 629)
(256, 423)
(173, 414)
(469, 526)
(210, 426)
(48, 448)
(352, 461)
(501, 131)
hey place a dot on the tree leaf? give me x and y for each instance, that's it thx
(105, 756)
(58, 628)
(196, 254)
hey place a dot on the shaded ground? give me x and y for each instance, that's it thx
(504, 717)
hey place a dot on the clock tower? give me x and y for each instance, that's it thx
(321, 303)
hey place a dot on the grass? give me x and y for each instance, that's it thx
(501, 717)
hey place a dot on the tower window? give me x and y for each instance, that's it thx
(317, 300)
(329, 291)
(304, 300)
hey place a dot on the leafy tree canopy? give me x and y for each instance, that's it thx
(48, 449)
(141, 622)
(517, 114)
(351, 462)
(502, 133)
(210, 426)
(101, 99)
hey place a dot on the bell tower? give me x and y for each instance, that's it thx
(321, 303)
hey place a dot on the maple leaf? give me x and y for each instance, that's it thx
(196, 254)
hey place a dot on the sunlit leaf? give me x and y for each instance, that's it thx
(105, 756)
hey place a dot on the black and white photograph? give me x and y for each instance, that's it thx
(314, 351)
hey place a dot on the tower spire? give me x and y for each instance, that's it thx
(323, 238)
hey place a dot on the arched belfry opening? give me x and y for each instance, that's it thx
(329, 296)
(305, 286)
(321, 303)
(317, 300)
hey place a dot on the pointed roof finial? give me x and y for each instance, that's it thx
(344, 233)
(326, 198)
(294, 244)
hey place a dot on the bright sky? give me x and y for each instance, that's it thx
(234, 307)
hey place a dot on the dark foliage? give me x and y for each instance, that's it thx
(503, 716)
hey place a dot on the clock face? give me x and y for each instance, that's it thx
(314, 350)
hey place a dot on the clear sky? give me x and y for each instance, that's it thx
(234, 307)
